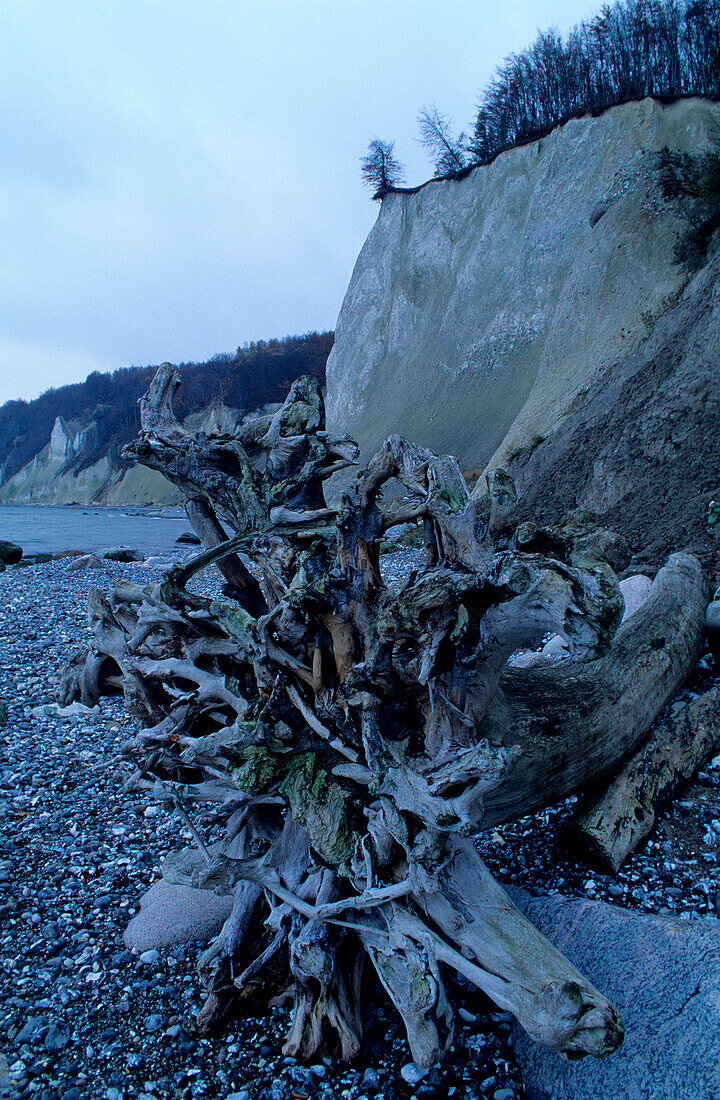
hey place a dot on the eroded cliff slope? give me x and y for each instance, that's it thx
(641, 446)
(480, 308)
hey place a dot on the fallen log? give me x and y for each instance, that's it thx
(360, 737)
(607, 828)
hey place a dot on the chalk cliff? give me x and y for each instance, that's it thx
(479, 309)
(58, 475)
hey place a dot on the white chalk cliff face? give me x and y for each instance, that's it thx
(51, 478)
(480, 308)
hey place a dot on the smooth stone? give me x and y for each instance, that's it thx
(188, 538)
(171, 915)
(57, 1038)
(664, 977)
(413, 1073)
(85, 561)
(635, 591)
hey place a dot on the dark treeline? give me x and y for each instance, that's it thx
(257, 374)
(638, 48)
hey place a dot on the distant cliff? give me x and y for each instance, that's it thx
(64, 447)
(481, 308)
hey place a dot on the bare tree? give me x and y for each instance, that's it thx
(381, 169)
(448, 153)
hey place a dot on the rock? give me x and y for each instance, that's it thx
(555, 649)
(412, 1073)
(84, 561)
(154, 1022)
(54, 710)
(713, 627)
(123, 554)
(29, 1030)
(635, 591)
(171, 915)
(598, 211)
(10, 552)
(663, 975)
(189, 538)
(57, 1038)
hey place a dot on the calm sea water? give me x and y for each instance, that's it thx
(52, 528)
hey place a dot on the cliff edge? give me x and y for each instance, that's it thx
(479, 309)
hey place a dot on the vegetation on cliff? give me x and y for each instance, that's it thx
(636, 48)
(257, 374)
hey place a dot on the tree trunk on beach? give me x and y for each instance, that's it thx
(360, 737)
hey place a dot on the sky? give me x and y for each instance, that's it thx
(178, 177)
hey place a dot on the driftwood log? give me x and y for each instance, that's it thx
(360, 737)
(608, 826)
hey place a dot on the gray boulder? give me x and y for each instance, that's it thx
(84, 561)
(663, 975)
(170, 915)
(123, 554)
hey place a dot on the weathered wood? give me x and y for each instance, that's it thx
(211, 534)
(362, 733)
(607, 828)
(573, 725)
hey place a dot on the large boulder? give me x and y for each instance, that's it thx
(171, 915)
(663, 975)
(10, 552)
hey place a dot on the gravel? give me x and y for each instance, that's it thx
(83, 1017)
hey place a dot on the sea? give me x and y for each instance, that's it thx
(52, 528)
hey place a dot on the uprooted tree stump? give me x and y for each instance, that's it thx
(361, 737)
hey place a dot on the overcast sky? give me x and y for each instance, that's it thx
(180, 176)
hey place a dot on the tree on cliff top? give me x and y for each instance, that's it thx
(448, 153)
(381, 170)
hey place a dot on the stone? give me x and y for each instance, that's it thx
(57, 1038)
(635, 591)
(123, 554)
(713, 627)
(662, 974)
(84, 561)
(188, 538)
(54, 710)
(10, 552)
(171, 915)
(412, 1073)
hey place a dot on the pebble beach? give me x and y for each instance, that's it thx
(83, 1016)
